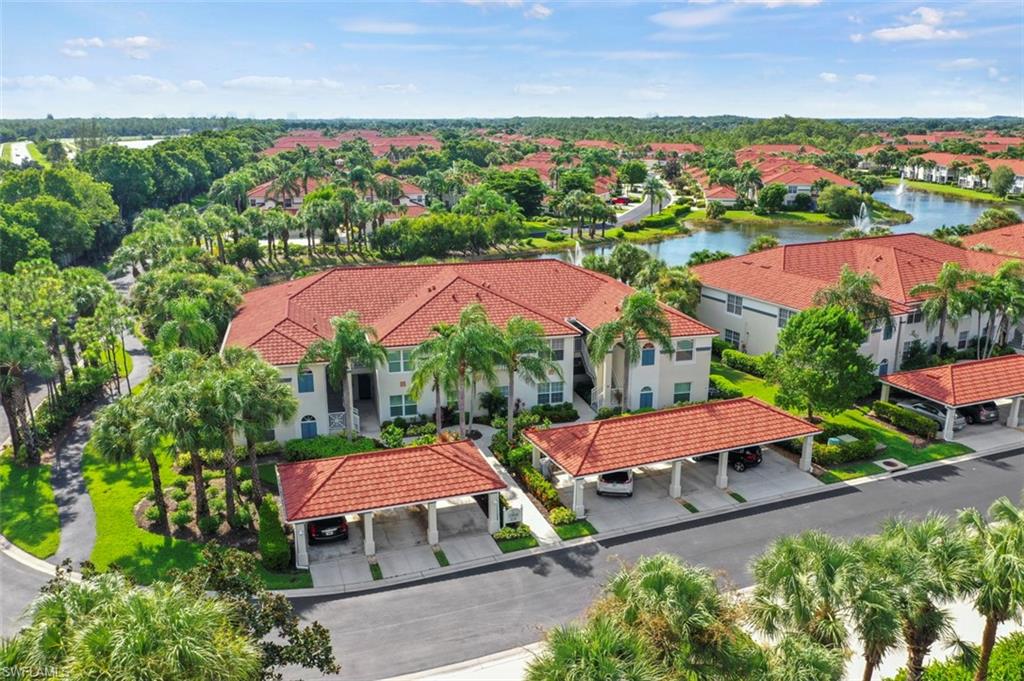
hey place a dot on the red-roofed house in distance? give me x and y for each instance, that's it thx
(1007, 240)
(959, 169)
(797, 177)
(749, 298)
(403, 303)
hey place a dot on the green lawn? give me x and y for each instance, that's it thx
(751, 217)
(6, 152)
(521, 544)
(144, 556)
(949, 190)
(28, 513)
(37, 155)
(898, 446)
(575, 530)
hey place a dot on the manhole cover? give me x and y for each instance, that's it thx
(891, 464)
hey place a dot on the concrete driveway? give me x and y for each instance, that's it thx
(402, 548)
(981, 437)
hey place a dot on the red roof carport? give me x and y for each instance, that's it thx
(961, 385)
(669, 435)
(384, 479)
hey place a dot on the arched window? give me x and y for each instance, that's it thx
(647, 355)
(646, 397)
(883, 367)
(308, 426)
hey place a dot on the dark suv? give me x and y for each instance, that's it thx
(328, 529)
(986, 412)
(740, 459)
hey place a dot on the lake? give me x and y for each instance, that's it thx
(929, 211)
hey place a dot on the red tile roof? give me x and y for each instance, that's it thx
(597, 144)
(384, 479)
(1007, 240)
(957, 385)
(791, 275)
(643, 439)
(800, 174)
(402, 302)
(941, 158)
(677, 147)
(262, 191)
(720, 192)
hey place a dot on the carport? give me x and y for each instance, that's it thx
(961, 385)
(667, 436)
(384, 480)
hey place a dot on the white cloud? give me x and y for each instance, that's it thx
(48, 82)
(856, 37)
(865, 78)
(693, 18)
(136, 46)
(381, 27)
(994, 74)
(144, 85)
(399, 88)
(829, 77)
(780, 3)
(541, 90)
(84, 42)
(282, 84)
(73, 52)
(538, 11)
(923, 24)
(194, 86)
(963, 64)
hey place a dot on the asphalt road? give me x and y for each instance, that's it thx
(442, 621)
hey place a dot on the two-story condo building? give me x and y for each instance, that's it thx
(749, 298)
(403, 303)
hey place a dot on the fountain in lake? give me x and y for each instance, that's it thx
(575, 255)
(901, 187)
(862, 220)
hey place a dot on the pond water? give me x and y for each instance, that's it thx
(929, 211)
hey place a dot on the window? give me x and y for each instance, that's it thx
(503, 389)
(306, 382)
(557, 349)
(887, 330)
(680, 392)
(684, 351)
(883, 367)
(402, 405)
(908, 346)
(647, 356)
(732, 338)
(646, 397)
(784, 315)
(915, 317)
(308, 426)
(550, 393)
(399, 361)
(285, 379)
(961, 340)
(269, 435)
(734, 305)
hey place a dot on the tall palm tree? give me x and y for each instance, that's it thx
(353, 344)
(284, 186)
(872, 608)
(526, 354)
(998, 589)
(431, 367)
(641, 318)
(856, 293)
(943, 296)
(268, 403)
(22, 350)
(931, 564)
(125, 430)
(654, 190)
(188, 326)
(599, 649)
(307, 167)
(472, 348)
(348, 198)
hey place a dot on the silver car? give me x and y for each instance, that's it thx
(934, 412)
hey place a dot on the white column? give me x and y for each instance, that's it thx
(432, 523)
(369, 548)
(301, 551)
(807, 453)
(722, 481)
(885, 392)
(536, 457)
(1013, 420)
(675, 490)
(577, 498)
(493, 513)
(947, 430)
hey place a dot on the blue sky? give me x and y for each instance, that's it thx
(513, 57)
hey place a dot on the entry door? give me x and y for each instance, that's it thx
(364, 386)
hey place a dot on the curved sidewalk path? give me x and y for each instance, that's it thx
(77, 517)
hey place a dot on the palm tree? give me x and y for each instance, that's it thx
(641, 318)
(872, 609)
(575, 205)
(526, 354)
(233, 190)
(431, 367)
(654, 190)
(998, 588)
(353, 344)
(803, 585)
(678, 287)
(599, 649)
(931, 564)
(348, 198)
(944, 296)
(307, 167)
(125, 430)
(188, 326)
(472, 348)
(21, 350)
(268, 403)
(284, 186)
(797, 657)
(856, 293)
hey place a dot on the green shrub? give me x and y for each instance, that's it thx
(1006, 664)
(718, 346)
(180, 483)
(607, 413)
(392, 436)
(245, 488)
(209, 524)
(904, 419)
(183, 462)
(185, 505)
(556, 413)
(274, 549)
(418, 430)
(323, 446)
(519, 456)
(659, 220)
(631, 227)
(561, 516)
(213, 492)
(152, 514)
(520, 531)
(179, 493)
(218, 505)
(751, 364)
(181, 518)
(555, 236)
(269, 448)
(537, 485)
(56, 412)
(243, 515)
(725, 388)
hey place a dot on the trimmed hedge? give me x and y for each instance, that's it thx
(323, 446)
(607, 413)
(274, 549)
(556, 413)
(537, 485)
(520, 531)
(904, 419)
(718, 346)
(1005, 665)
(55, 413)
(750, 364)
(727, 390)
(561, 516)
(833, 455)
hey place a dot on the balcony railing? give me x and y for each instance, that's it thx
(337, 422)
